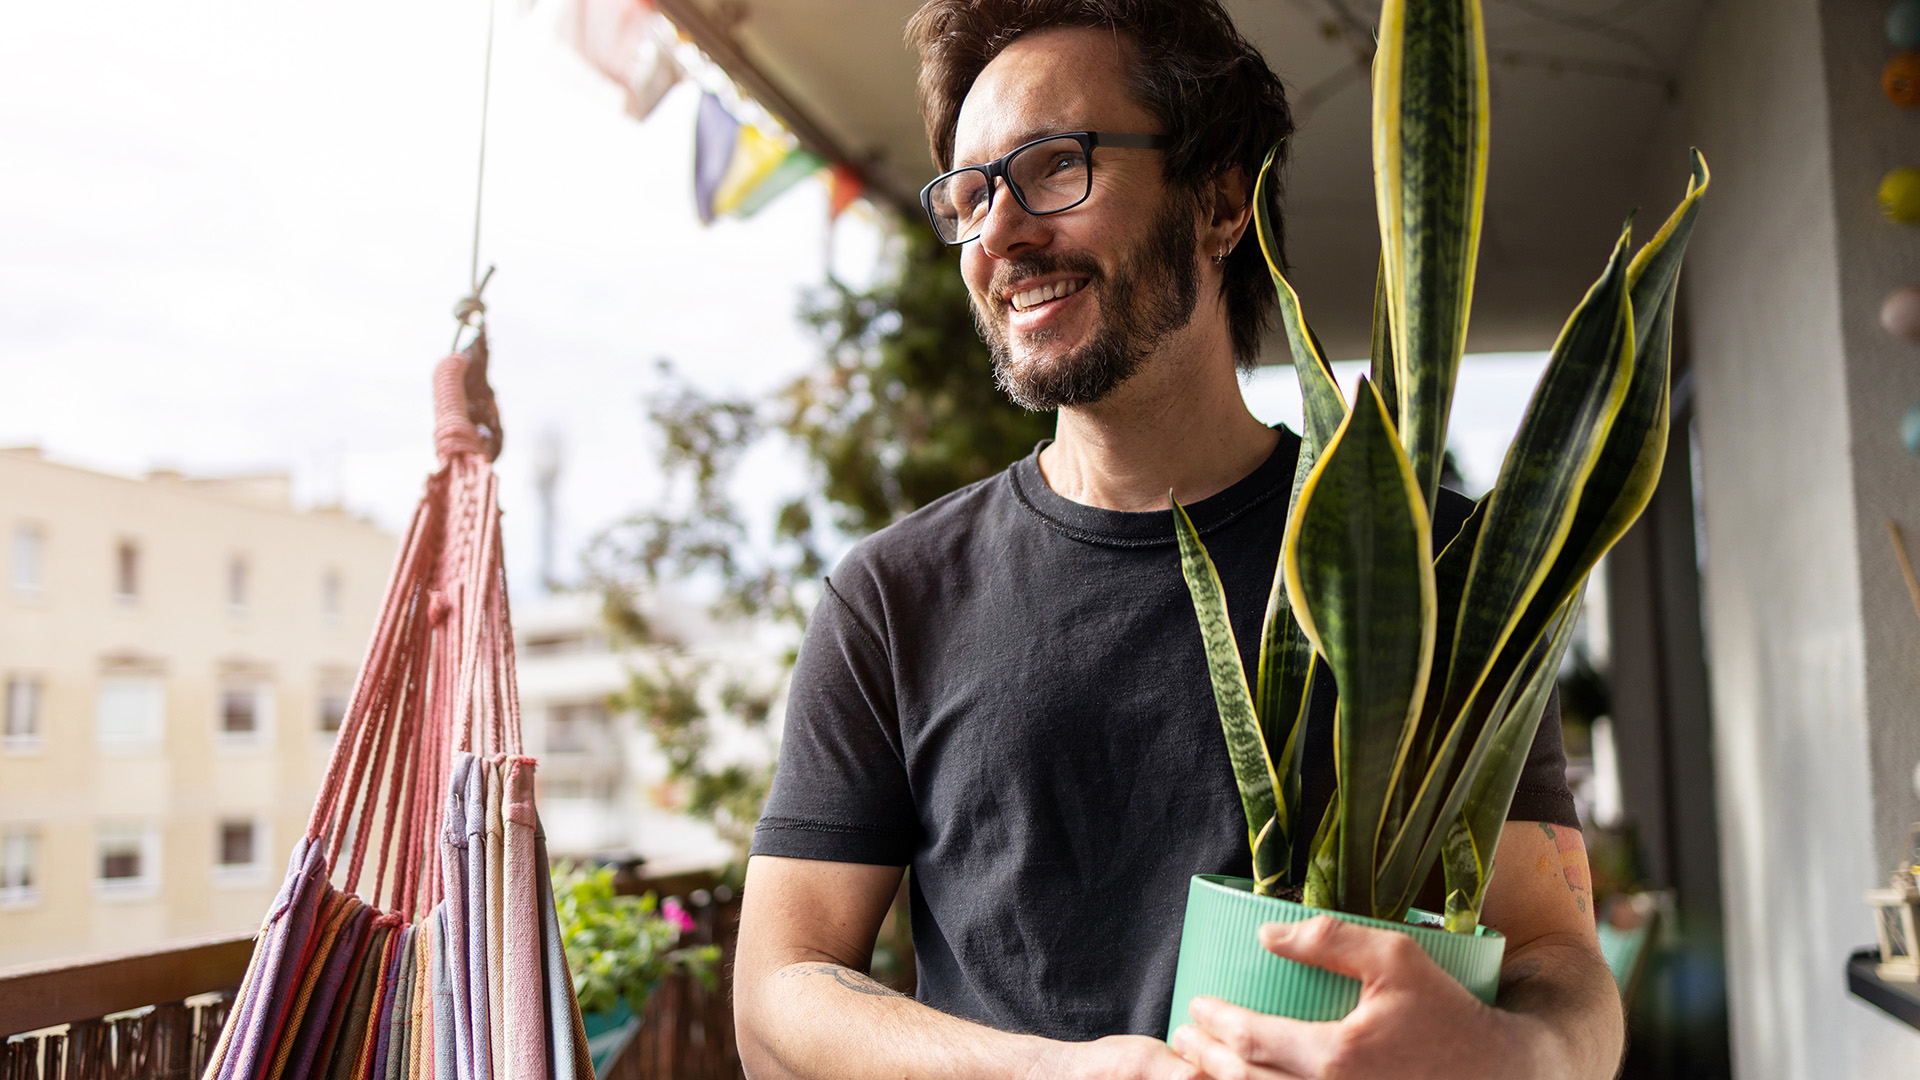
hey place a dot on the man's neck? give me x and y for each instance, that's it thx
(1179, 424)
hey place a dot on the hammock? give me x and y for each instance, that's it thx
(443, 960)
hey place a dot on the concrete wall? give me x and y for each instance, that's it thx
(1814, 650)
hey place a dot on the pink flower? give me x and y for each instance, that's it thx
(675, 914)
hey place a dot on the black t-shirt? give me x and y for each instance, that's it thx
(1006, 691)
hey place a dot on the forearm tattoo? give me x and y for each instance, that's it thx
(1571, 864)
(856, 981)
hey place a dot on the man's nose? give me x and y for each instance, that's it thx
(1008, 227)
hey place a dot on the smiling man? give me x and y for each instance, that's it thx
(1006, 690)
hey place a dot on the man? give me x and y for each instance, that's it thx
(1006, 690)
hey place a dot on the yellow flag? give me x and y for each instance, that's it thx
(755, 157)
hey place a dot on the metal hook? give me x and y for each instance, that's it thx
(470, 310)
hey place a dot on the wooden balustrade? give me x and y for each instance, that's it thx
(98, 1019)
(156, 1015)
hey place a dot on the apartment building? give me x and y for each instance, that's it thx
(176, 653)
(602, 780)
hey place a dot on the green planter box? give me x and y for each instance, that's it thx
(1221, 956)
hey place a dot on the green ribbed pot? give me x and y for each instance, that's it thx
(1221, 955)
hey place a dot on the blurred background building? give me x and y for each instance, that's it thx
(177, 654)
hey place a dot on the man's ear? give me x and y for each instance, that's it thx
(1228, 200)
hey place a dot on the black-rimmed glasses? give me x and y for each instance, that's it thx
(1046, 176)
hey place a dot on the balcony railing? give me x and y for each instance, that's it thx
(156, 1015)
(142, 1016)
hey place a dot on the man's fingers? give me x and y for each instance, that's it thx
(1362, 952)
(1288, 1046)
(1220, 1061)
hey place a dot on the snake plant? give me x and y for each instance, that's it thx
(1443, 660)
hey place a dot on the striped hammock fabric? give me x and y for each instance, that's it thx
(415, 936)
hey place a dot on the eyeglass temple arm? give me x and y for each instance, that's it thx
(1130, 142)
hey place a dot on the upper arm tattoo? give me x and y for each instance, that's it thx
(856, 981)
(1571, 863)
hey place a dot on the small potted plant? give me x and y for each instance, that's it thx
(1443, 660)
(619, 948)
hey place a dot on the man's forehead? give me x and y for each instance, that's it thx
(1066, 79)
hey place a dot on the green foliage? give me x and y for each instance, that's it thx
(1444, 664)
(905, 408)
(620, 947)
(901, 410)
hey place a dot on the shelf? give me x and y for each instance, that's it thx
(1900, 1000)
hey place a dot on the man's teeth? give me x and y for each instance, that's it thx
(1051, 291)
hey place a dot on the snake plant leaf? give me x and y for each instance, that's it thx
(1528, 516)
(1449, 582)
(1430, 109)
(1359, 565)
(1323, 865)
(1252, 768)
(1282, 687)
(1323, 405)
(1468, 857)
(1383, 367)
(1623, 478)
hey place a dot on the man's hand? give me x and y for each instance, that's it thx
(1414, 1020)
(1559, 1013)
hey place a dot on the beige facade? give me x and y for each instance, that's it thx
(174, 651)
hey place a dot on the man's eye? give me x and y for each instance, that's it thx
(1067, 162)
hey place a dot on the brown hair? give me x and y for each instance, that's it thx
(1210, 90)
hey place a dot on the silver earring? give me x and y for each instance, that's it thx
(1222, 256)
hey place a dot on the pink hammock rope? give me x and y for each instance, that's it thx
(415, 934)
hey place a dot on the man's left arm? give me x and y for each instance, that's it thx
(1558, 1014)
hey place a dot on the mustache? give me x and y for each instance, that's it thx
(1041, 262)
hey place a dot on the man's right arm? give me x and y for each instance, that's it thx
(804, 1007)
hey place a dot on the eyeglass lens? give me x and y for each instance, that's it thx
(1047, 177)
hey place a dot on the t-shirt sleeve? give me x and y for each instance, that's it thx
(1542, 793)
(840, 793)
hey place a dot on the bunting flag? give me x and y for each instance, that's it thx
(796, 166)
(755, 157)
(843, 187)
(714, 135)
(628, 42)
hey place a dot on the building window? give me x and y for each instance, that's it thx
(128, 860)
(29, 560)
(330, 590)
(246, 710)
(19, 865)
(236, 843)
(132, 713)
(237, 584)
(23, 723)
(333, 707)
(577, 729)
(126, 571)
(240, 850)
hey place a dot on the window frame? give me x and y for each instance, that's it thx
(37, 533)
(27, 893)
(138, 743)
(146, 884)
(32, 739)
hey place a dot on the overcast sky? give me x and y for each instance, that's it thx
(231, 232)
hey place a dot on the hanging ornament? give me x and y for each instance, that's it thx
(1900, 195)
(1900, 314)
(1903, 24)
(1910, 430)
(1900, 80)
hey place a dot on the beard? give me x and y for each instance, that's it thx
(1151, 295)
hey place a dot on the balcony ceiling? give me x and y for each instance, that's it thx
(1579, 87)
